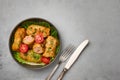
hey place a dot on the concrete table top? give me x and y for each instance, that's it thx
(76, 20)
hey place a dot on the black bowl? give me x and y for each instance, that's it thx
(30, 64)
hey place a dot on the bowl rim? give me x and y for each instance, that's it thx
(27, 65)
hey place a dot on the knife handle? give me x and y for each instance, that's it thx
(62, 74)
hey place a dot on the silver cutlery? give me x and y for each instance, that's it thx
(65, 54)
(73, 58)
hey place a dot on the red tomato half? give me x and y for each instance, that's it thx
(45, 60)
(23, 48)
(39, 38)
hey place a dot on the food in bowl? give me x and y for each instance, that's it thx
(35, 42)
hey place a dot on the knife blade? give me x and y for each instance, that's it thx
(73, 58)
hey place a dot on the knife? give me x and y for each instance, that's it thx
(73, 58)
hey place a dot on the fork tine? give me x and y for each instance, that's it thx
(68, 52)
(65, 54)
(68, 49)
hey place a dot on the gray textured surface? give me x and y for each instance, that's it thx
(76, 20)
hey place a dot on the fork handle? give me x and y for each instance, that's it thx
(53, 71)
(62, 74)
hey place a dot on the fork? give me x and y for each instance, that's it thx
(65, 54)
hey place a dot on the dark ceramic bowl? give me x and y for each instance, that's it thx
(23, 24)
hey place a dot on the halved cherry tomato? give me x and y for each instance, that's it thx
(45, 60)
(39, 38)
(23, 48)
